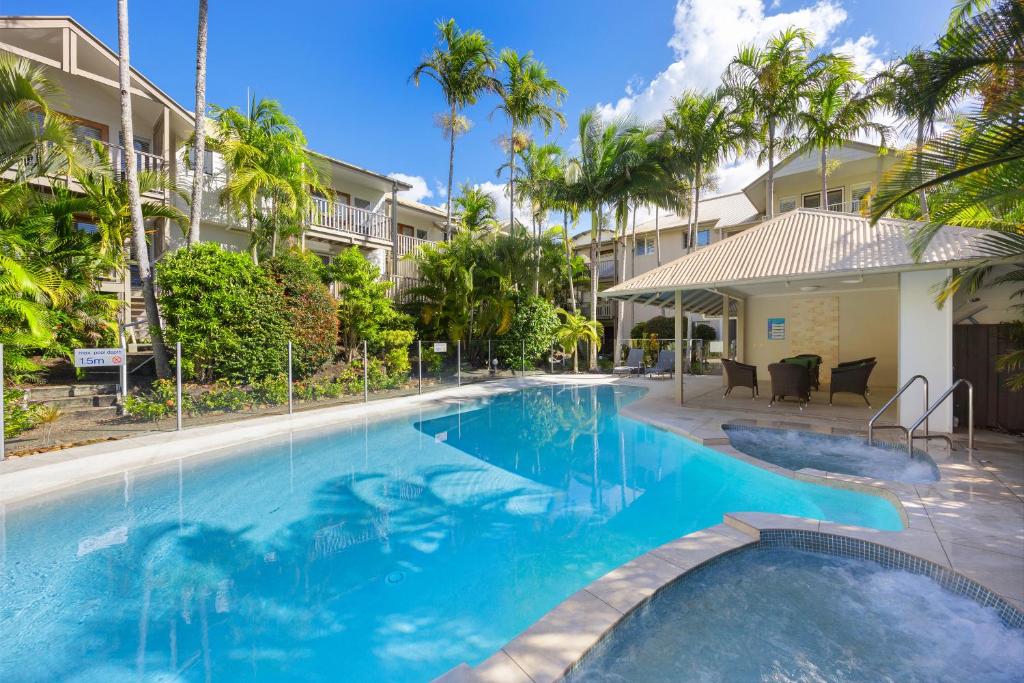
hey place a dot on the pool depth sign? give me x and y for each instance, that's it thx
(97, 358)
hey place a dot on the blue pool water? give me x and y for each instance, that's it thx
(387, 551)
(788, 616)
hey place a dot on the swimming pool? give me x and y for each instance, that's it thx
(783, 614)
(380, 551)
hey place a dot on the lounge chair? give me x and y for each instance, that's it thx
(666, 364)
(634, 363)
(739, 375)
(851, 378)
(812, 362)
(790, 379)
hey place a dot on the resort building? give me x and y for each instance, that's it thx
(857, 167)
(364, 208)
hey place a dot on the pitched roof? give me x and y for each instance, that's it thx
(805, 243)
(420, 206)
(722, 211)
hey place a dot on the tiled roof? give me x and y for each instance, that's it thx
(805, 243)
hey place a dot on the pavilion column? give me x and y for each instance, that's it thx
(680, 346)
(726, 337)
(741, 323)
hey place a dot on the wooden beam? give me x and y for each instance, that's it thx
(680, 350)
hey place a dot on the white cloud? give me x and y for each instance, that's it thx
(862, 52)
(441, 189)
(706, 36)
(419, 190)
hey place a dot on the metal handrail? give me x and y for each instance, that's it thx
(946, 394)
(871, 422)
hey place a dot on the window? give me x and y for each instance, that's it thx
(362, 204)
(207, 160)
(703, 238)
(835, 200)
(406, 230)
(644, 246)
(421, 234)
(787, 204)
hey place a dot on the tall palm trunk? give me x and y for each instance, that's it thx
(921, 195)
(618, 260)
(568, 264)
(632, 270)
(595, 244)
(141, 248)
(657, 238)
(824, 178)
(512, 178)
(198, 163)
(696, 207)
(451, 174)
(536, 256)
(770, 183)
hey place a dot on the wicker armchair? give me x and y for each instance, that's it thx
(739, 375)
(851, 378)
(790, 379)
(812, 362)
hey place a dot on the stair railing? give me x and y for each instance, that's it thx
(874, 418)
(938, 402)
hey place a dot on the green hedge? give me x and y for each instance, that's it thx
(227, 312)
(310, 309)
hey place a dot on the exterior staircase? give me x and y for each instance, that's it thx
(80, 400)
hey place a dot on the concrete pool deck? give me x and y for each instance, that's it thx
(971, 521)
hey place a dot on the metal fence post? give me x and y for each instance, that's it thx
(177, 377)
(290, 408)
(419, 365)
(3, 404)
(366, 384)
(522, 357)
(458, 362)
(491, 370)
(124, 364)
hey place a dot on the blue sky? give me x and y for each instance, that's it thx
(341, 68)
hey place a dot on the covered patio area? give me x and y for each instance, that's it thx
(828, 285)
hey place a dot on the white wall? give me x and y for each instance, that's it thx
(925, 347)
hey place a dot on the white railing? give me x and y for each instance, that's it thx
(350, 219)
(400, 289)
(605, 309)
(407, 243)
(144, 161)
(856, 207)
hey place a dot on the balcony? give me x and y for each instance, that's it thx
(350, 220)
(144, 161)
(605, 309)
(408, 243)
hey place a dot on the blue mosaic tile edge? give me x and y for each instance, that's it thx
(890, 558)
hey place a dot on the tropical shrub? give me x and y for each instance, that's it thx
(228, 314)
(269, 391)
(365, 311)
(18, 418)
(309, 307)
(224, 395)
(156, 403)
(531, 332)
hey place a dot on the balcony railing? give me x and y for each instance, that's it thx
(350, 219)
(605, 309)
(856, 207)
(400, 290)
(144, 161)
(408, 243)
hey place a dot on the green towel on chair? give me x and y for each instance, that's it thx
(808, 363)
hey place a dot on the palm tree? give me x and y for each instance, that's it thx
(462, 63)
(542, 167)
(525, 100)
(200, 128)
(476, 210)
(594, 178)
(576, 330)
(32, 136)
(835, 113)
(701, 131)
(976, 168)
(272, 178)
(769, 82)
(141, 246)
(901, 90)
